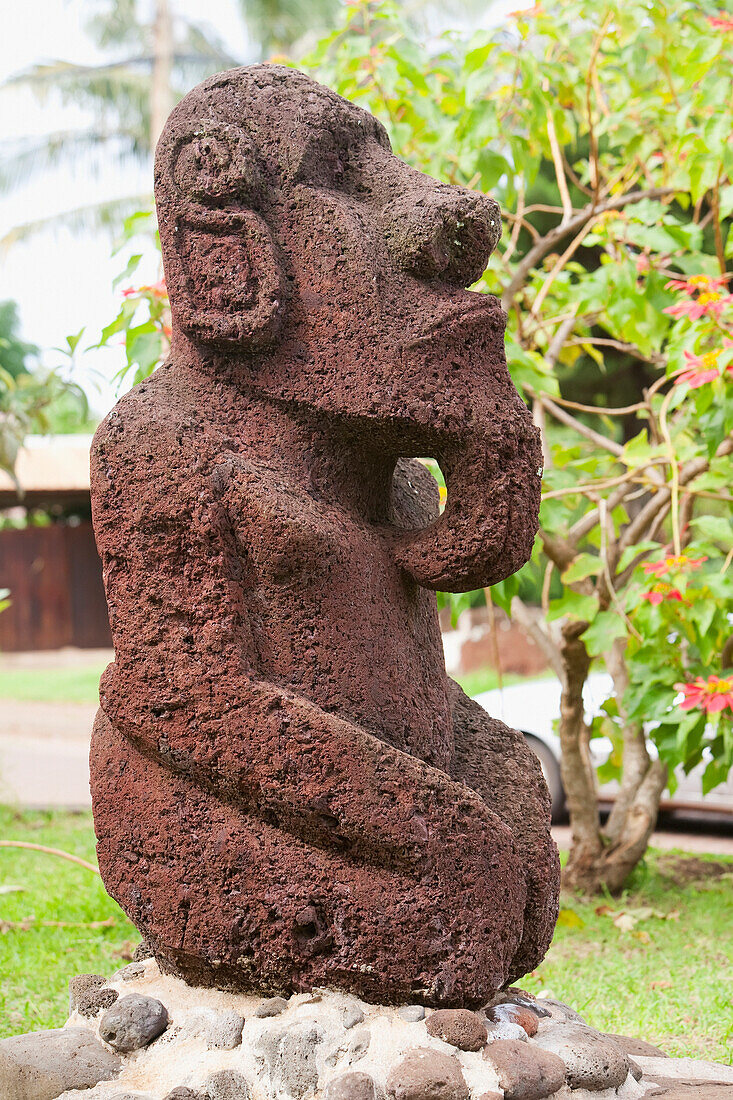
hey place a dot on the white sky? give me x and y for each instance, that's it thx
(61, 280)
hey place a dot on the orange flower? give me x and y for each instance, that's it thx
(720, 24)
(673, 562)
(711, 695)
(661, 592)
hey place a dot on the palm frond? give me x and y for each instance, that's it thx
(117, 24)
(277, 24)
(80, 149)
(106, 215)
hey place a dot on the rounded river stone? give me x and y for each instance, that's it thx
(591, 1060)
(425, 1074)
(133, 1022)
(352, 1086)
(43, 1064)
(226, 1084)
(525, 1072)
(457, 1026)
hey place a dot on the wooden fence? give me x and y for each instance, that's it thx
(55, 579)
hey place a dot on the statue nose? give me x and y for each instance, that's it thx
(442, 233)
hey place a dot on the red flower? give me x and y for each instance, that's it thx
(672, 562)
(711, 695)
(709, 301)
(661, 592)
(709, 304)
(720, 24)
(158, 290)
(696, 283)
(703, 368)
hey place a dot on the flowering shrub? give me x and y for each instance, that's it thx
(143, 322)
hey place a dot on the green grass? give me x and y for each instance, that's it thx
(486, 679)
(664, 980)
(52, 685)
(668, 978)
(36, 961)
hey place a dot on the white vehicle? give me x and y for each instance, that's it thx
(534, 707)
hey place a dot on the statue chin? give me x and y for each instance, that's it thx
(487, 530)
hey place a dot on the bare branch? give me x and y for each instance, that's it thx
(560, 264)
(655, 358)
(50, 852)
(521, 614)
(562, 183)
(717, 228)
(582, 429)
(548, 242)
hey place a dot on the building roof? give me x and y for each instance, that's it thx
(53, 469)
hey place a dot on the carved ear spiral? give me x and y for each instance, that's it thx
(223, 271)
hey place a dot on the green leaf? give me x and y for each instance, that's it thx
(603, 631)
(585, 565)
(568, 918)
(573, 606)
(715, 528)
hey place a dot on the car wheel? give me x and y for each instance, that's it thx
(551, 771)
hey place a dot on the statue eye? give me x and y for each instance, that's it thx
(323, 160)
(216, 166)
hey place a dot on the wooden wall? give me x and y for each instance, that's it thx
(55, 579)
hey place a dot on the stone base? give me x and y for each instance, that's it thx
(168, 1041)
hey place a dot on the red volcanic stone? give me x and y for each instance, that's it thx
(278, 746)
(515, 1014)
(425, 1074)
(457, 1026)
(525, 1072)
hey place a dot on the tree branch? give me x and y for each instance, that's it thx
(548, 242)
(562, 183)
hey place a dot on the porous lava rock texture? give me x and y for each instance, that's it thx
(288, 791)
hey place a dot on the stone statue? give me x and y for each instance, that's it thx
(288, 790)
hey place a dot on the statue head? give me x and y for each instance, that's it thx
(329, 274)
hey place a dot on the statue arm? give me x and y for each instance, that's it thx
(185, 687)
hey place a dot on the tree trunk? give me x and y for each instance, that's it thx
(604, 858)
(161, 99)
(578, 775)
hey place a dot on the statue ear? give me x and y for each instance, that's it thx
(224, 277)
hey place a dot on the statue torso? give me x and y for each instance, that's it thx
(325, 612)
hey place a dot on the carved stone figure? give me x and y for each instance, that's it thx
(288, 790)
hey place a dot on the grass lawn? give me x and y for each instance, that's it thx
(655, 963)
(52, 685)
(80, 684)
(36, 961)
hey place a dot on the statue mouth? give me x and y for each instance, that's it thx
(474, 312)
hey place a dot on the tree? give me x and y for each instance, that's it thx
(14, 352)
(620, 114)
(33, 399)
(154, 58)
